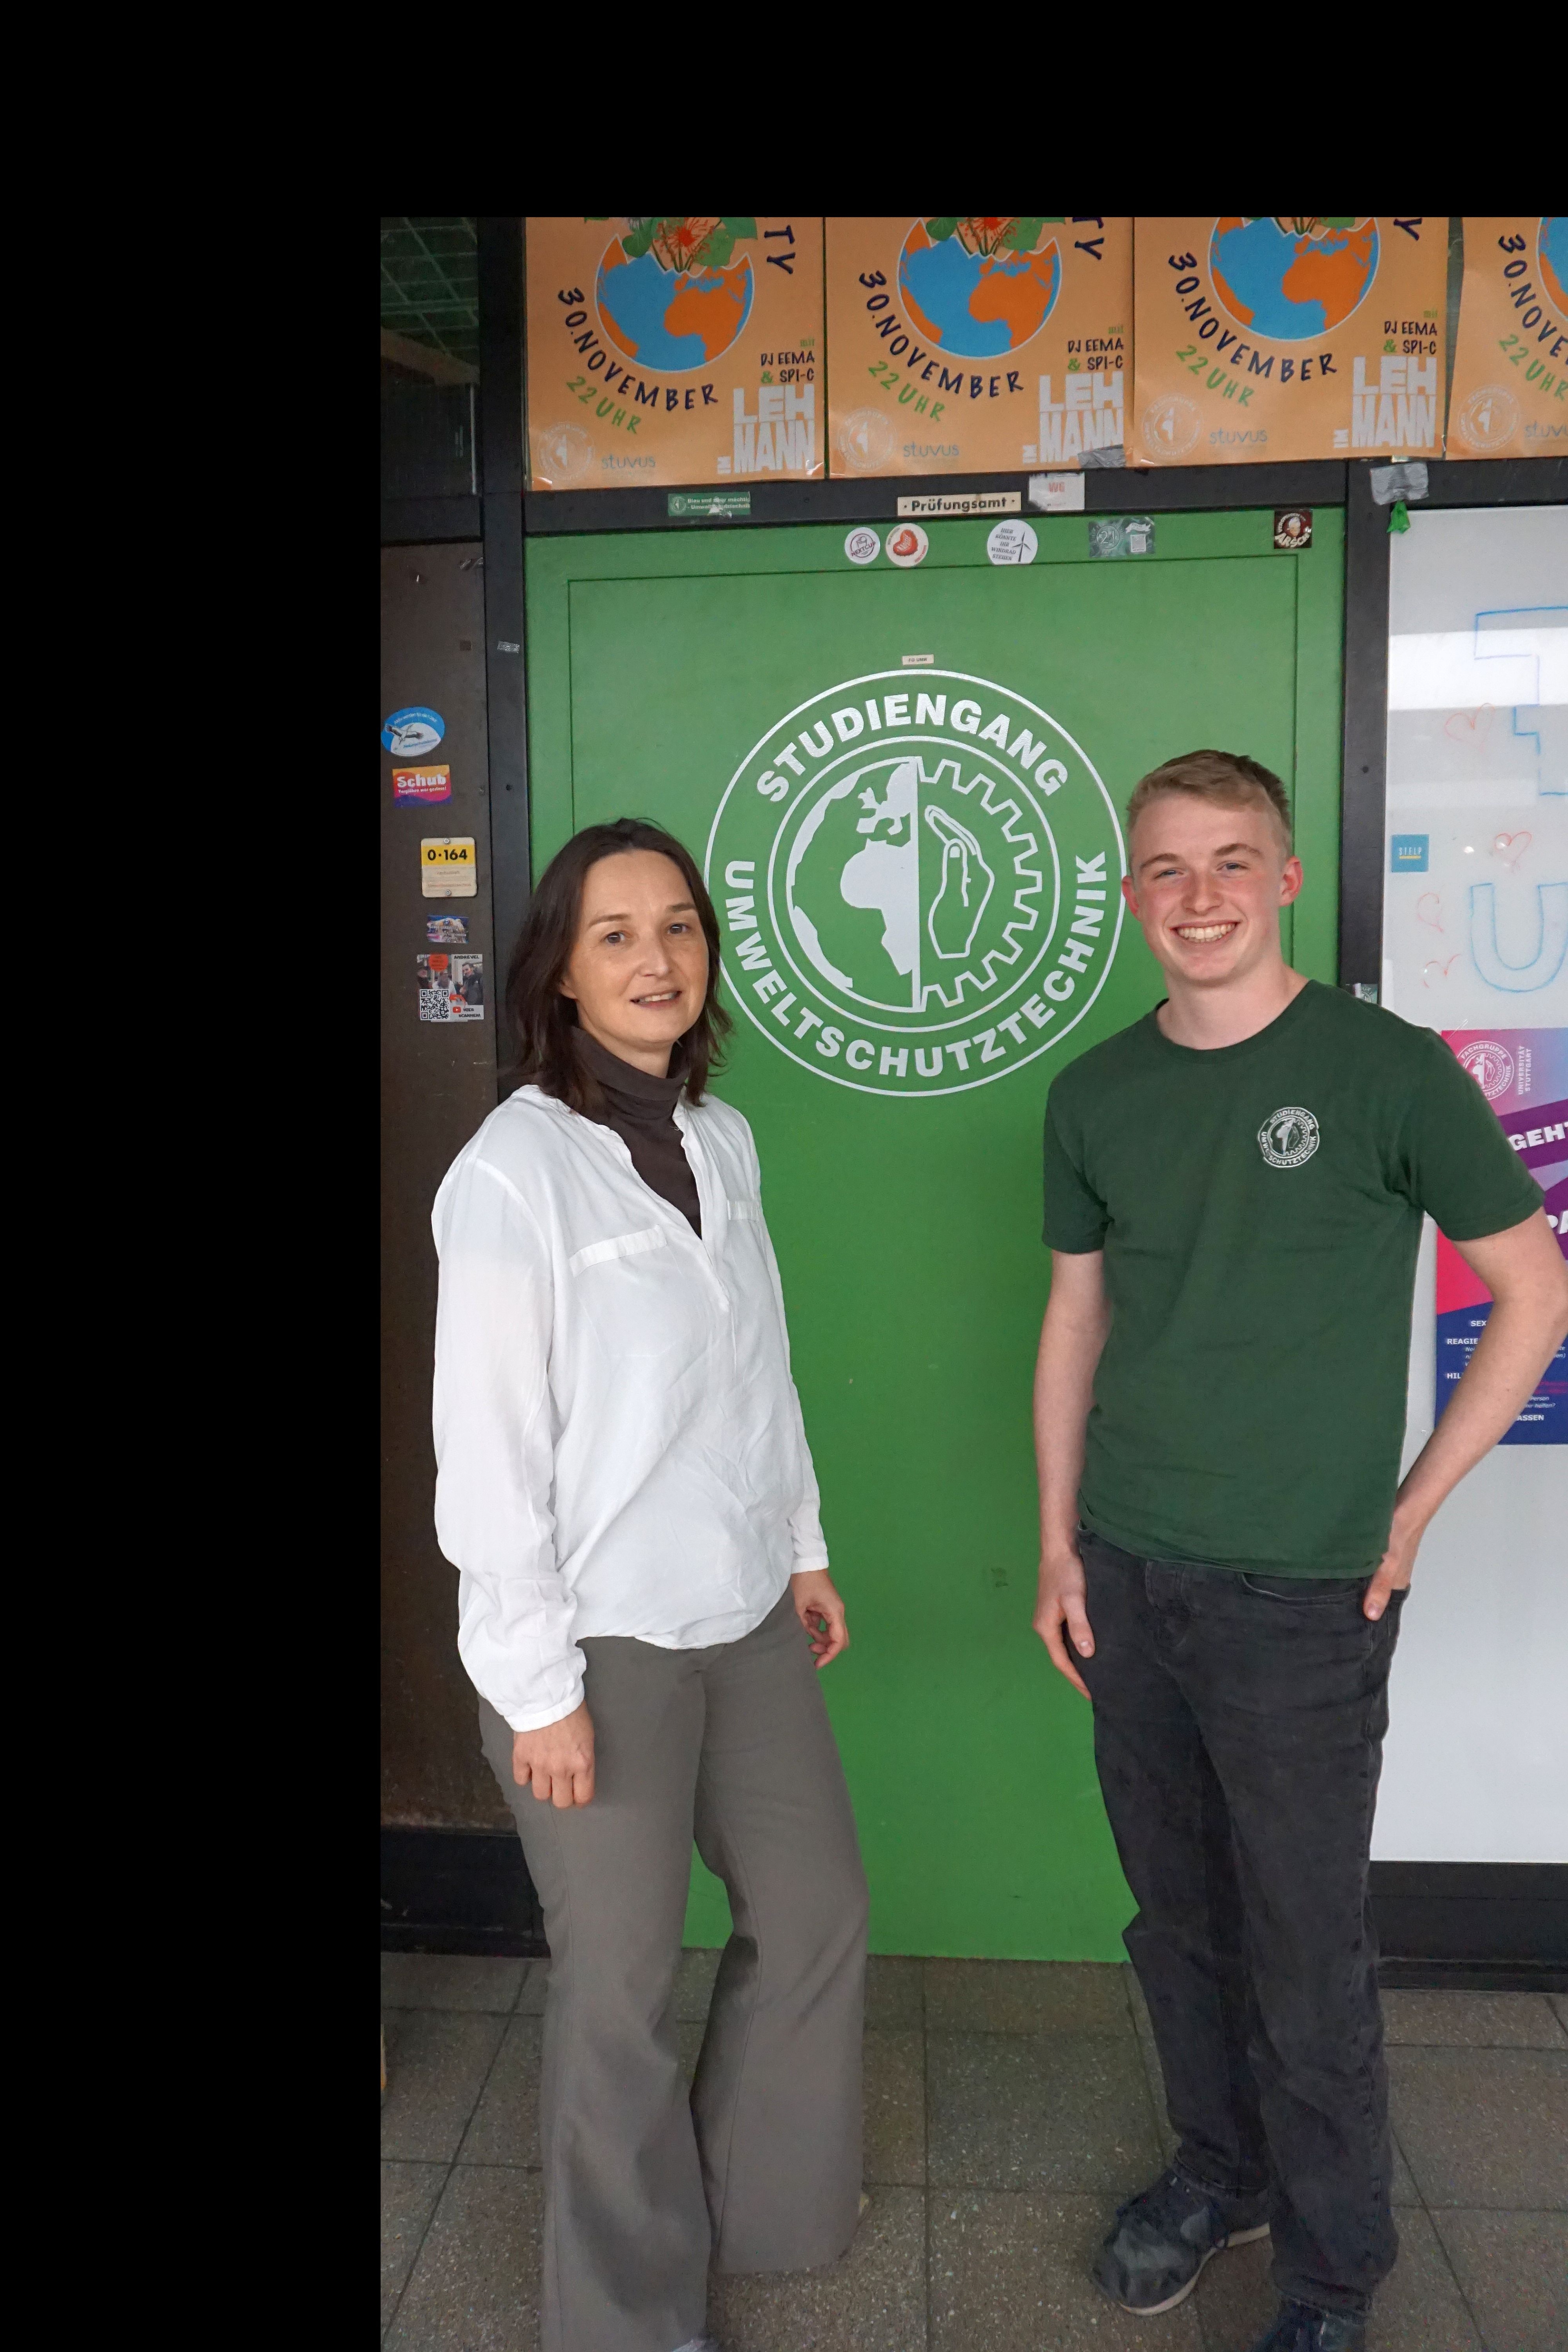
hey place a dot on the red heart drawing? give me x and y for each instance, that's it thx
(1426, 907)
(1442, 969)
(1510, 846)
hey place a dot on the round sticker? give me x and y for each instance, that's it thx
(1012, 542)
(862, 546)
(406, 733)
(916, 875)
(906, 544)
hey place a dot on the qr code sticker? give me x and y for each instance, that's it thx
(451, 987)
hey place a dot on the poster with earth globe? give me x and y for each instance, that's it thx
(972, 344)
(673, 349)
(1287, 335)
(1510, 365)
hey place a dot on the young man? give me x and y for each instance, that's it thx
(1233, 1195)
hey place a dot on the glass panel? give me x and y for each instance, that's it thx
(429, 357)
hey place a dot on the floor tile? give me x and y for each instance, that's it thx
(1513, 2268)
(873, 2301)
(436, 2061)
(536, 1979)
(1473, 2021)
(408, 2194)
(505, 2128)
(893, 2076)
(1144, 2028)
(1484, 2127)
(694, 1984)
(1560, 2003)
(1025, 1997)
(475, 2287)
(1010, 2274)
(443, 1980)
(1418, 2308)
(1402, 2190)
(894, 1991)
(1038, 2111)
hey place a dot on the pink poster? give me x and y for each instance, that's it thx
(1523, 1073)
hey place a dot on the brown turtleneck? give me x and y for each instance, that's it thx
(640, 1110)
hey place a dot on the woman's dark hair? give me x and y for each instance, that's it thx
(544, 1020)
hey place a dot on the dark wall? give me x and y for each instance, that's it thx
(439, 1082)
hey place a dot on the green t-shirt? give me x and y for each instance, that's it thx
(1259, 1207)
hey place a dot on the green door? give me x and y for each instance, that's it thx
(906, 785)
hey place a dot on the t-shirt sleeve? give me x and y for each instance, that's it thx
(1076, 1219)
(1454, 1160)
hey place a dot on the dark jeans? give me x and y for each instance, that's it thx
(1238, 1726)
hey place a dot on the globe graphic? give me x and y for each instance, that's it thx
(672, 320)
(896, 882)
(977, 303)
(1551, 253)
(1294, 279)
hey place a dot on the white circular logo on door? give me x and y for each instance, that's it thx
(862, 546)
(906, 544)
(918, 882)
(1288, 1136)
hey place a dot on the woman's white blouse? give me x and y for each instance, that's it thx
(618, 1442)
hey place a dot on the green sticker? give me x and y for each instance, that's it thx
(715, 506)
(1121, 535)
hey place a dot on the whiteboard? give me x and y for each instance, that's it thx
(1476, 937)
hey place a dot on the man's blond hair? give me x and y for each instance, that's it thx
(1224, 779)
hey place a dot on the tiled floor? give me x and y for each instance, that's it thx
(1009, 2106)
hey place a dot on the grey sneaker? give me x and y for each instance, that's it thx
(1151, 2261)
(1299, 2328)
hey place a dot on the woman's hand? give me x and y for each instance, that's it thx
(821, 1611)
(558, 1760)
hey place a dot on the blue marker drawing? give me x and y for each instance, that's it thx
(1552, 917)
(1550, 733)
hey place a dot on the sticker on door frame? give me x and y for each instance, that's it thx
(973, 824)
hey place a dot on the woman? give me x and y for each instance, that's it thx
(626, 1488)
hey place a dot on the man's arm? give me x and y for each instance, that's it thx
(1524, 1270)
(1078, 1317)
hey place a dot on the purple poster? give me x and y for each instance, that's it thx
(1523, 1073)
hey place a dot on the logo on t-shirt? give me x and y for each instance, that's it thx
(1288, 1136)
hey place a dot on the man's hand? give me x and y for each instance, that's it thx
(557, 1759)
(821, 1611)
(1061, 1603)
(1393, 1570)
(1524, 1269)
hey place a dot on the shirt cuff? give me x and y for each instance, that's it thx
(540, 1718)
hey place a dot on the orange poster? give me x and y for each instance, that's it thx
(1291, 336)
(673, 350)
(970, 344)
(1511, 369)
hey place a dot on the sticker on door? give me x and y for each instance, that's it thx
(451, 987)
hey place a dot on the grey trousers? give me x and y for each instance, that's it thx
(760, 2166)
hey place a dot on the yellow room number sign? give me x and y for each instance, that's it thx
(447, 867)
